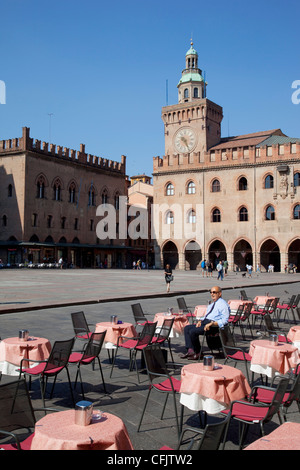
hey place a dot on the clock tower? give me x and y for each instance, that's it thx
(194, 124)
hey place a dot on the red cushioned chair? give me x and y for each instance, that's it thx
(186, 310)
(160, 378)
(265, 395)
(259, 313)
(234, 320)
(81, 326)
(16, 414)
(244, 322)
(90, 353)
(54, 365)
(232, 352)
(135, 344)
(270, 329)
(285, 307)
(209, 438)
(163, 335)
(248, 413)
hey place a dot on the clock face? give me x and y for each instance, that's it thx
(185, 140)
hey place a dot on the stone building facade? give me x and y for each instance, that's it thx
(234, 199)
(48, 203)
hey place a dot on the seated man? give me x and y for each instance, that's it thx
(217, 314)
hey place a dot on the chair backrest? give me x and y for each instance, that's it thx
(59, 354)
(16, 410)
(213, 435)
(247, 311)
(138, 313)
(166, 328)
(243, 295)
(274, 304)
(154, 360)
(182, 304)
(296, 301)
(267, 305)
(227, 339)
(291, 302)
(269, 323)
(294, 393)
(79, 324)
(146, 335)
(277, 398)
(94, 345)
(238, 313)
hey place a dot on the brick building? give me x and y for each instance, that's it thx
(235, 198)
(48, 201)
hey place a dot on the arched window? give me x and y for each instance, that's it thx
(270, 213)
(243, 184)
(269, 182)
(170, 189)
(243, 214)
(216, 186)
(40, 188)
(104, 197)
(191, 219)
(169, 218)
(57, 191)
(92, 199)
(196, 93)
(186, 93)
(191, 188)
(296, 212)
(117, 201)
(216, 215)
(72, 193)
(297, 179)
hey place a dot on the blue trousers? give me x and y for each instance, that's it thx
(191, 336)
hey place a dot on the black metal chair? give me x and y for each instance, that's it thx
(232, 352)
(81, 326)
(163, 335)
(244, 296)
(135, 344)
(57, 362)
(270, 329)
(244, 322)
(209, 438)
(90, 353)
(183, 306)
(139, 315)
(234, 319)
(247, 413)
(160, 379)
(285, 307)
(16, 414)
(259, 313)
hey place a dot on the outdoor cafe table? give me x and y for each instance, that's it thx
(294, 336)
(58, 431)
(211, 391)
(12, 351)
(114, 331)
(260, 300)
(235, 303)
(285, 437)
(180, 322)
(200, 311)
(269, 359)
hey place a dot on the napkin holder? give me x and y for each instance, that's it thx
(274, 340)
(114, 319)
(208, 362)
(23, 335)
(83, 413)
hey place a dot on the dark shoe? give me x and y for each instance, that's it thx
(186, 355)
(195, 357)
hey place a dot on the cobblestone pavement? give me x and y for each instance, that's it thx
(42, 301)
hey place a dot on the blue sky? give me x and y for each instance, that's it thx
(101, 68)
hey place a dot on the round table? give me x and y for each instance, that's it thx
(260, 300)
(12, 351)
(268, 359)
(58, 431)
(294, 336)
(200, 311)
(114, 331)
(285, 437)
(235, 303)
(180, 322)
(211, 391)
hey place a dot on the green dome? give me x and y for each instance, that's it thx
(191, 77)
(191, 51)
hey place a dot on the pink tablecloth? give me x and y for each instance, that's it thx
(222, 384)
(114, 331)
(58, 431)
(294, 334)
(180, 321)
(235, 303)
(281, 358)
(285, 437)
(261, 300)
(12, 350)
(200, 311)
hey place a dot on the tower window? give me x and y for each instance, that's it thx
(186, 93)
(196, 93)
